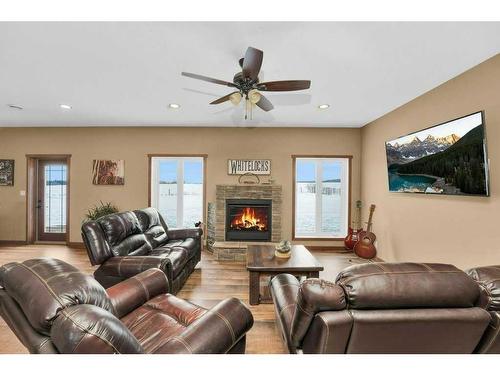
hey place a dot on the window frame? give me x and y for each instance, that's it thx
(349, 193)
(150, 175)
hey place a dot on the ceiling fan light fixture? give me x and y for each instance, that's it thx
(15, 106)
(254, 96)
(235, 98)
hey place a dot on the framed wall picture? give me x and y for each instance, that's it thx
(108, 172)
(449, 158)
(243, 166)
(6, 172)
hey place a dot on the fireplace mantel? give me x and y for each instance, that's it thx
(217, 210)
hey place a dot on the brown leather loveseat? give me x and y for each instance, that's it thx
(54, 308)
(127, 243)
(387, 308)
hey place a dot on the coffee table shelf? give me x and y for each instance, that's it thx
(261, 261)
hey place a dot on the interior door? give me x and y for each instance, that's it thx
(52, 200)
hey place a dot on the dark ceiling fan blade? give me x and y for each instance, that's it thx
(223, 99)
(252, 63)
(208, 79)
(265, 104)
(284, 85)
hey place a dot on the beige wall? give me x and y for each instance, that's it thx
(454, 229)
(133, 145)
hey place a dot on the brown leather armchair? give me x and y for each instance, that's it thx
(488, 279)
(127, 243)
(54, 308)
(382, 308)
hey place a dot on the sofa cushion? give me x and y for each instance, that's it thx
(188, 243)
(178, 257)
(119, 226)
(151, 225)
(45, 286)
(407, 285)
(159, 319)
(124, 235)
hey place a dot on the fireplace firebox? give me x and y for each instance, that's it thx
(248, 219)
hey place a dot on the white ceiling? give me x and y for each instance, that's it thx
(126, 73)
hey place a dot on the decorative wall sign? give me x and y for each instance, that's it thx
(6, 172)
(108, 172)
(242, 166)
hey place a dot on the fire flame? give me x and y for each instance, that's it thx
(248, 220)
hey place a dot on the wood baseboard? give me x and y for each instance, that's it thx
(76, 245)
(12, 243)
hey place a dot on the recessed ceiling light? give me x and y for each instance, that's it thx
(14, 106)
(174, 106)
(324, 106)
(65, 106)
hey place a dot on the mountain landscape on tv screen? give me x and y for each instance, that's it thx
(444, 165)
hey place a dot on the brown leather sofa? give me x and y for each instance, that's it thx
(127, 243)
(54, 308)
(390, 308)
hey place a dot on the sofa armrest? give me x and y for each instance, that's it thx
(284, 290)
(128, 266)
(314, 296)
(181, 233)
(488, 279)
(217, 331)
(120, 268)
(129, 294)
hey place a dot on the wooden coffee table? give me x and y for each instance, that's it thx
(262, 261)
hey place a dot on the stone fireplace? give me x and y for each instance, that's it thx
(241, 215)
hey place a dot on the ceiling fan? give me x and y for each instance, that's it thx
(247, 83)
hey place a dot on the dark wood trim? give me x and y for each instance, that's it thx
(204, 156)
(68, 198)
(30, 199)
(295, 156)
(76, 245)
(49, 156)
(349, 198)
(31, 176)
(178, 155)
(12, 243)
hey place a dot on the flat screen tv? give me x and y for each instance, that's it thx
(448, 158)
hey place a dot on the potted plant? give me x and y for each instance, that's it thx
(100, 210)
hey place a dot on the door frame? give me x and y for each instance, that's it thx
(32, 193)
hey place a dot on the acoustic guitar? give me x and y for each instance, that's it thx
(365, 247)
(353, 231)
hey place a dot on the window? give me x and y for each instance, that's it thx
(321, 194)
(54, 191)
(177, 189)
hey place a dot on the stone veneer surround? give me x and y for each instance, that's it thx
(216, 219)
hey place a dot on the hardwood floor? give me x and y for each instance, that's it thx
(210, 283)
